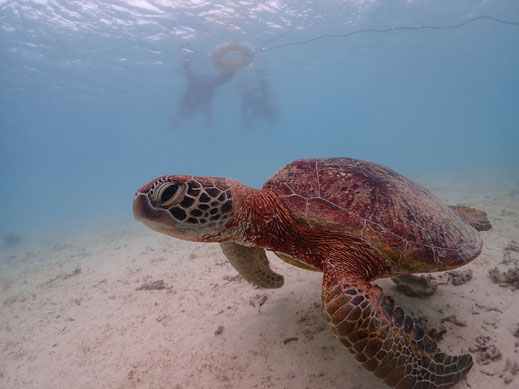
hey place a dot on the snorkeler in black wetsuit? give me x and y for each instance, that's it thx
(199, 93)
(256, 99)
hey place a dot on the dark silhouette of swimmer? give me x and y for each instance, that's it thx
(199, 93)
(255, 99)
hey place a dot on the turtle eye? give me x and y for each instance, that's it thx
(169, 194)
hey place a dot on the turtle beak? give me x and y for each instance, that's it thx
(157, 219)
(142, 208)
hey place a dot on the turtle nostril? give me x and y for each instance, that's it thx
(168, 193)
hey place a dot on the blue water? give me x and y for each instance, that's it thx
(88, 90)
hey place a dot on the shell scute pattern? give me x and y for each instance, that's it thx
(404, 220)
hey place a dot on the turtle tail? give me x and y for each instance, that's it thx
(478, 219)
(386, 341)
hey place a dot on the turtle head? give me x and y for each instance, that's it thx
(186, 207)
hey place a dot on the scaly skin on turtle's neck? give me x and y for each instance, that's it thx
(261, 218)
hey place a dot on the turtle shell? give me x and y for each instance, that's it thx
(414, 229)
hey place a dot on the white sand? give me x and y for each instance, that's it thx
(71, 317)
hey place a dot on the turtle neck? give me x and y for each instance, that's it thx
(261, 218)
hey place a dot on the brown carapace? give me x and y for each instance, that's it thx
(355, 221)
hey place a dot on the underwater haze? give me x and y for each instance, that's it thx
(93, 96)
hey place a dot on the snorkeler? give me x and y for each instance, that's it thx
(255, 99)
(199, 93)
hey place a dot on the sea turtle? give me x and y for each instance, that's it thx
(353, 220)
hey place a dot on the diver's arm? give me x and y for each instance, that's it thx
(188, 70)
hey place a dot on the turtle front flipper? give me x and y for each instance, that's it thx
(252, 264)
(385, 340)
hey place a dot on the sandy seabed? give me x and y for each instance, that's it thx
(130, 308)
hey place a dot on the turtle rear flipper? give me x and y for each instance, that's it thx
(478, 219)
(385, 340)
(252, 264)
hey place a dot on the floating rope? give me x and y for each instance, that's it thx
(304, 42)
